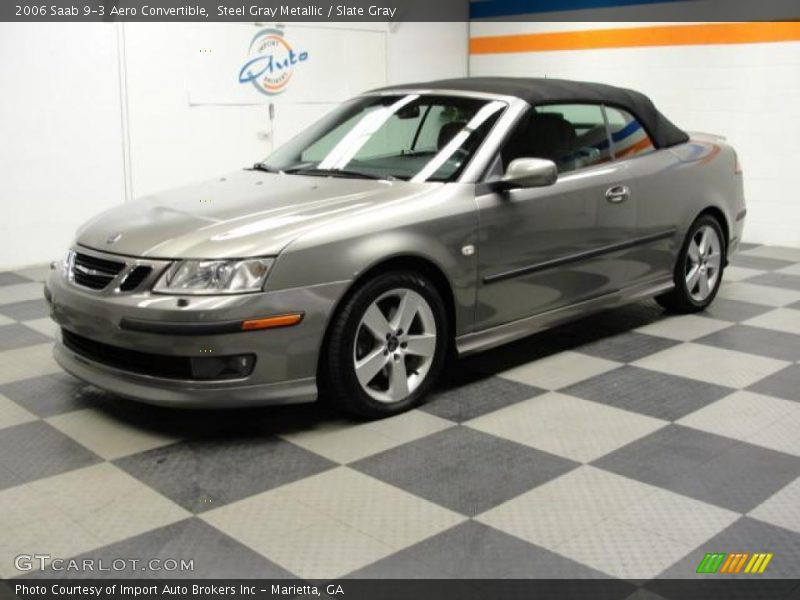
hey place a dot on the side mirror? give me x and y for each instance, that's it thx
(530, 172)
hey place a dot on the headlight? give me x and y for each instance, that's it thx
(66, 265)
(238, 276)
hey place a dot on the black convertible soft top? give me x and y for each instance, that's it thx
(537, 91)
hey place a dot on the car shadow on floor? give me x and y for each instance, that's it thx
(570, 336)
(244, 423)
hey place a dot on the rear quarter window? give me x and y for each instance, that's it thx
(589, 145)
(628, 137)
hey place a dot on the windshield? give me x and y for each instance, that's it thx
(406, 136)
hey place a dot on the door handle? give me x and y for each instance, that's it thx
(618, 193)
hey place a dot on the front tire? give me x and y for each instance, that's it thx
(698, 272)
(386, 346)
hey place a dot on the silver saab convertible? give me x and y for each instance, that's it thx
(410, 222)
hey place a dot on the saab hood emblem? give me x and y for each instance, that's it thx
(113, 238)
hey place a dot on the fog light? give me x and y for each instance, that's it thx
(223, 367)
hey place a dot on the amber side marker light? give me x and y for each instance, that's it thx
(272, 322)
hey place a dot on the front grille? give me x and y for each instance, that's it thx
(157, 365)
(92, 272)
(134, 279)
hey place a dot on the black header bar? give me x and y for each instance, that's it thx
(704, 588)
(354, 11)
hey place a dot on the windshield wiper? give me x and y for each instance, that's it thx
(264, 167)
(335, 173)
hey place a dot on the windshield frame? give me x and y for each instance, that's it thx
(469, 172)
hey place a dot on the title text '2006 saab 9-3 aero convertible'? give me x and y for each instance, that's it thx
(410, 221)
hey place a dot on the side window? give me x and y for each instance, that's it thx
(573, 136)
(627, 135)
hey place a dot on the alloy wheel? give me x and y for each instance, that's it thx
(703, 262)
(395, 345)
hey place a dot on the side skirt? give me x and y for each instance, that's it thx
(508, 332)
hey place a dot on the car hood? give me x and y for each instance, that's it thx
(248, 213)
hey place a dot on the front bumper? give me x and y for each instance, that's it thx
(286, 358)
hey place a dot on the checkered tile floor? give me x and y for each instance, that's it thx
(626, 445)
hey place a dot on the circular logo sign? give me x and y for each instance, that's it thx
(271, 62)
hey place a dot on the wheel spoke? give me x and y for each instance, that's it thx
(398, 382)
(692, 277)
(369, 366)
(694, 252)
(406, 311)
(376, 322)
(714, 262)
(421, 345)
(704, 242)
(703, 286)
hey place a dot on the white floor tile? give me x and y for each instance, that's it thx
(326, 552)
(20, 292)
(790, 270)
(382, 511)
(53, 533)
(301, 539)
(684, 328)
(77, 511)
(12, 413)
(345, 441)
(37, 273)
(24, 363)
(578, 429)
(779, 252)
(782, 435)
(712, 365)
(559, 370)
(758, 294)
(740, 415)
(107, 502)
(780, 319)
(677, 517)
(624, 551)
(782, 509)
(45, 326)
(265, 516)
(560, 509)
(734, 273)
(107, 436)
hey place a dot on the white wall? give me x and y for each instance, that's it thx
(171, 141)
(426, 51)
(749, 93)
(60, 135)
(92, 114)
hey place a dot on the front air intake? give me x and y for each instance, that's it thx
(135, 278)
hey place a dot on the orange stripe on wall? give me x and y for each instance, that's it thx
(668, 35)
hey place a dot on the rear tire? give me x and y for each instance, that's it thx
(386, 346)
(699, 268)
